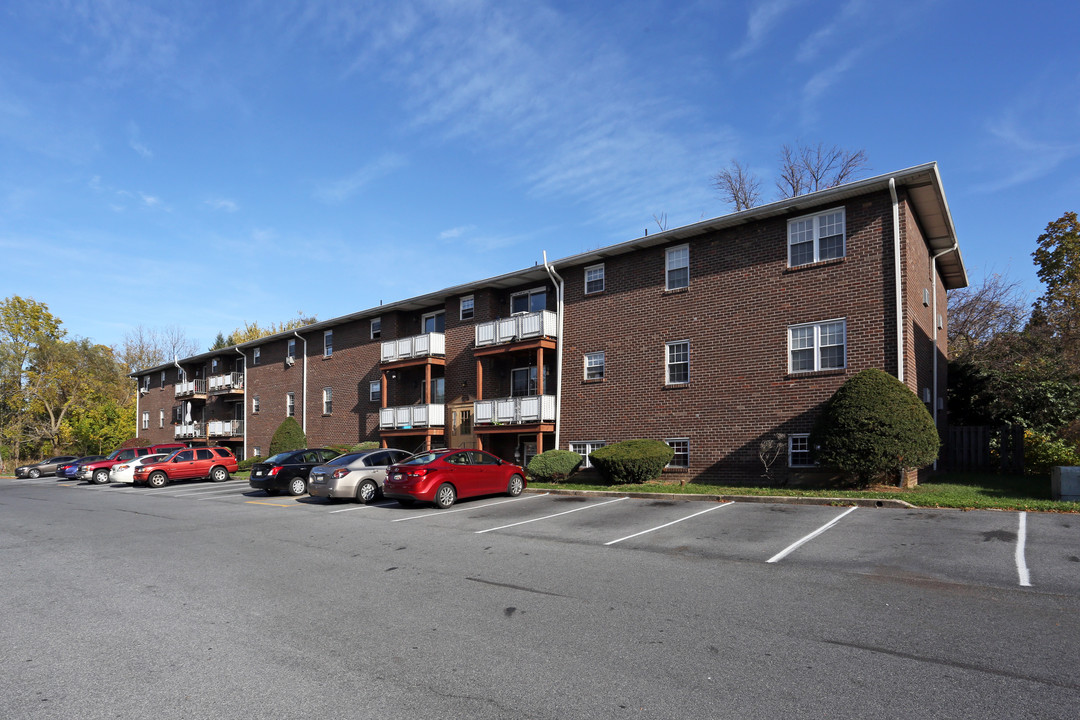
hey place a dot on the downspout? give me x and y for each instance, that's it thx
(138, 394)
(304, 406)
(898, 280)
(244, 414)
(559, 285)
(934, 392)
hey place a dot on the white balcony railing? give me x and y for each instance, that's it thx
(224, 428)
(412, 416)
(191, 387)
(417, 346)
(227, 383)
(524, 410)
(517, 327)
(189, 430)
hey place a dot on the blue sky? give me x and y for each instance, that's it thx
(207, 164)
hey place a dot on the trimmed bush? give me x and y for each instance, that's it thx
(554, 465)
(288, 436)
(632, 461)
(874, 427)
(245, 465)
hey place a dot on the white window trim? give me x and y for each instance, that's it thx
(162, 378)
(290, 400)
(530, 292)
(328, 398)
(146, 420)
(686, 440)
(290, 348)
(602, 365)
(161, 418)
(461, 308)
(791, 438)
(603, 279)
(146, 383)
(590, 445)
(433, 314)
(667, 363)
(374, 390)
(816, 217)
(817, 345)
(375, 332)
(668, 268)
(255, 405)
(256, 355)
(328, 348)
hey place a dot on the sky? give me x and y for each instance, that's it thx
(209, 164)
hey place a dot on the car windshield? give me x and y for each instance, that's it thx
(114, 454)
(147, 459)
(345, 459)
(422, 458)
(279, 459)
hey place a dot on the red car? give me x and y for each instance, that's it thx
(97, 471)
(190, 464)
(443, 476)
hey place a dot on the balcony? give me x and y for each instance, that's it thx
(523, 410)
(413, 348)
(227, 383)
(224, 428)
(527, 326)
(189, 430)
(191, 388)
(408, 417)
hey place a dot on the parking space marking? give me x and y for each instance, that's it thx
(256, 502)
(791, 548)
(471, 507)
(673, 522)
(363, 507)
(1021, 545)
(196, 491)
(546, 517)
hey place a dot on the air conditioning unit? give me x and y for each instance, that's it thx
(289, 360)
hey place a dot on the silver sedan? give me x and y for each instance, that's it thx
(358, 476)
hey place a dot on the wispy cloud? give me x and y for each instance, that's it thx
(1028, 147)
(222, 204)
(456, 232)
(338, 191)
(764, 16)
(135, 142)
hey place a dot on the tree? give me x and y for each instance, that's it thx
(1058, 259)
(803, 169)
(874, 426)
(254, 331)
(144, 347)
(738, 186)
(979, 314)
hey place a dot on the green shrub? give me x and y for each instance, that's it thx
(288, 436)
(1042, 452)
(632, 461)
(874, 426)
(554, 465)
(245, 465)
(366, 445)
(339, 449)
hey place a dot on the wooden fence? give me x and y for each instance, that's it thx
(993, 449)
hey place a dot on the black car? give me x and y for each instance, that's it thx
(45, 467)
(288, 471)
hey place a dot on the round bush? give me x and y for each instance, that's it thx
(632, 461)
(1043, 452)
(288, 436)
(874, 426)
(554, 465)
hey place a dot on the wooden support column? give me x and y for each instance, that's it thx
(539, 443)
(427, 443)
(427, 391)
(479, 379)
(539, 371)
(382, 400)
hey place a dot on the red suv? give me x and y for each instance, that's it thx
(97, 472)
(188, 464)
(443, 476)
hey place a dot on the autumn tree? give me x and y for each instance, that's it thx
(254, 331)
(981, 313)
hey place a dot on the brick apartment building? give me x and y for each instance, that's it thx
(711, 337)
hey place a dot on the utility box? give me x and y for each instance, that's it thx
(1065, 483)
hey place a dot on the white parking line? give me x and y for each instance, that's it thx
(791, 548)
(673, 522)
(193, 490)
(471, 507)
(1021, 544)
(546, 517)
(363, 507)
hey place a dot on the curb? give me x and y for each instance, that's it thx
(766, 499)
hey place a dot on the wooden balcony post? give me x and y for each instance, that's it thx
(382, 389)
(479, 379)
(539, 371)
(427, 388)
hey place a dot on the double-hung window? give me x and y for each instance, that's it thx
(291, 349)
(681, 458)
(678, 362)
(816, 237)
(594, 366)
(161, 418)
(146, 383)
(594, 279)
(584, 448)
(328, 343)
(817, 346)
(290, 404)
(466, 308)
(375, 390)
(376, 328)
(162, 378)
(328, 401)
(146, 421)
(256, 355)
(677, 265)
(799, 450)
(255, 404)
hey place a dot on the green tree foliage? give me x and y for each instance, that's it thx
(874, 427)
(288, 436)
(1057, 257)
(100, 426)
(554, 465)
(25, 324)
(254, 331)
(632, 461)
(1043, 451)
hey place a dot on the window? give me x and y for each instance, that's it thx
(466, 308)
(256, 451)
(433, 322)
(528, 301)
(256, 355)
(214, 366)
(678, 362)
(255, 404)
(594, 366)
(799, 450)
(290, 404)
(438, 390)
(594, 279)
(681, 446)
(523, 381)
(161, 418)
(328, 343)
(817, 346)
(376, 328)
(204, 454)
(328, 401)
(162, 378)
(290, 348)
(816, 238)
(584, 448)
(375, 390)
(926, 297)
(146, 421)
(146, 383)
(678, 267)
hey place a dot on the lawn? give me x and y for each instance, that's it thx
(948, 490)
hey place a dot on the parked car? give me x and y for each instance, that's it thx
(43, 467)
(443, 476)
(97, 472)
(288, 471)
(188, 464)
(357, 475)
(125, 472)
(68, 469)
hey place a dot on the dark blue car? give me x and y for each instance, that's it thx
(67, 470)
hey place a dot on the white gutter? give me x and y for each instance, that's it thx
(558, 347)
(934, 392)
(304, 406)
(244, 414)
(138, 394)
(898, 280)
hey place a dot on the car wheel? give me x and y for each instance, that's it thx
(406, 503)
(516, 485)
(157, 480)
(445, 496)
(101, 477)
(366, 492)
(35, 473)
(219, 474)
(297, 486)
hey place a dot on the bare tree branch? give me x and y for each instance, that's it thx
(738, 186)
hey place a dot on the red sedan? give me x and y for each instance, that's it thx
(443, 476)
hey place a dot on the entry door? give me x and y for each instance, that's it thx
(461, 426)
(528, 452)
